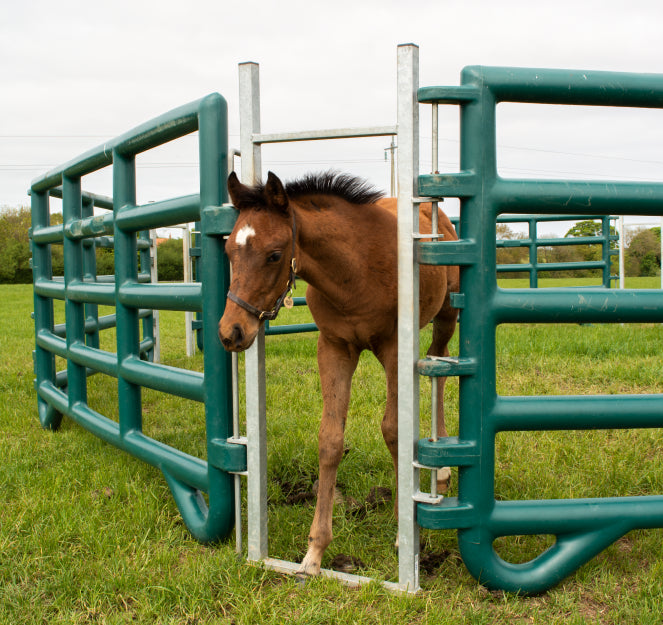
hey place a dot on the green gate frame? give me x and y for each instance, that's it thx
(583, 527)
(65, 393)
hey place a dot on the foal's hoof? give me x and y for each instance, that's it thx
(443, 480)
(308, 568)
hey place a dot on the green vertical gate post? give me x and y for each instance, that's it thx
(582, 527)
(215, 278)
(42, 269)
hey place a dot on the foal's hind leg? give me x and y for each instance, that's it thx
(444, 325)
(337, 363)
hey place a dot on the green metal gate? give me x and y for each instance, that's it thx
(582, 527)
(65, 393)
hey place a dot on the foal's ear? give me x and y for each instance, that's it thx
(239, 193)
(275, 194)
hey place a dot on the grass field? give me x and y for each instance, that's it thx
(91, 535)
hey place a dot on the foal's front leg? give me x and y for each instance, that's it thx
(337, 363)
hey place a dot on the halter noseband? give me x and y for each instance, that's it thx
(283, 299)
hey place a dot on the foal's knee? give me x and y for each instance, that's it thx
(390, 432)
(330, 450)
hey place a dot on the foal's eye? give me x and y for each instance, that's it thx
(274, 257)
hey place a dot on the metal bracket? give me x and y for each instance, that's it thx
(428, 498)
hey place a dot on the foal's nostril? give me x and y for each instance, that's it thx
(234, 340)
(237, 336)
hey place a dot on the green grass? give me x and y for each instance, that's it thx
(91, 535)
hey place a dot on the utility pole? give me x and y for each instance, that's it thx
(392, 150)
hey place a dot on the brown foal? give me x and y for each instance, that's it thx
(339, 235)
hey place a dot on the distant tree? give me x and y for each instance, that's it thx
(15, 245)
(170, 263)
(589, 228)
(510, 255)
(643, 255)
(105, 261)
(591, 252)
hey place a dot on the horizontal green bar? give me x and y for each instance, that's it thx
(577, 412)
(49, 288)
(163, 296)
(86, 163)
(448, 514)
(572, 516)
(562, 241)
(448, 95)
(176, 123)
(100, 201)
(180, 382)
(187, 469)
(294, 328)
(461, 184)
(170, 212)
(515, 267)
(573, 196)
(227, 456)
(463, 252)
(578, 305)
(506, 219)
(447, 452)
(48, 234)
(433, 366)
(558, 86)
(540, 267)
(52, 343)
(92, 292)
(588, 264)
(218, 220)
(90, 226)
(96, 359)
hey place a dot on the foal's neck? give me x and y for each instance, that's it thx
(325, 246)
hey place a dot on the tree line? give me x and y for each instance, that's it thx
(15, 251)
(642, 251)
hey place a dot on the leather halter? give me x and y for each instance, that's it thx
(270, 315)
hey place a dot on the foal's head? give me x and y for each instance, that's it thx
(261, 250)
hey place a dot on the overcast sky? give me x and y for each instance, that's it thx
(76, 73)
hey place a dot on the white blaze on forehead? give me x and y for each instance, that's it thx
(244, 233)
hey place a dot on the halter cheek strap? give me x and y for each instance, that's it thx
(270, 315)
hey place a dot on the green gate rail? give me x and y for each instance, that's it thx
(583, 527)
(65, 393)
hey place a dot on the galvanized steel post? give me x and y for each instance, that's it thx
(408, 316)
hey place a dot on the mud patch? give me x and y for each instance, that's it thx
(377, 497)
(298, 492)
(430, 562)
(346, 564)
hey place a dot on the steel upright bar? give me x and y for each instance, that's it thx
(408, 316)
(73, 272)
(249, 96)
(126, 272)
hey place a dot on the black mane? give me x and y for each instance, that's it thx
(349, 188)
